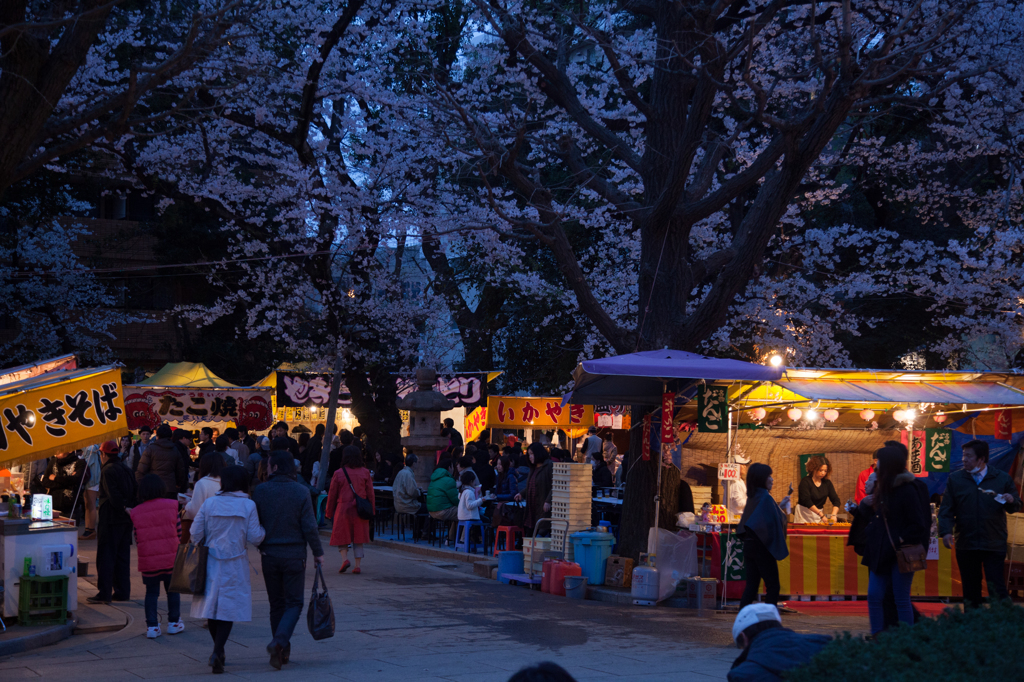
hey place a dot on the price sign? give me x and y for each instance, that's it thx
(728, 472)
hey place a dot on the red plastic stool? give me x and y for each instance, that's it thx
(510, 533)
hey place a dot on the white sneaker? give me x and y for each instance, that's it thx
(153, 633)
(175, 628)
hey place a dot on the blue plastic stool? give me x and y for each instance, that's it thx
(464, 530)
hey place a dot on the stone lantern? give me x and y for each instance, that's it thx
(425, 406)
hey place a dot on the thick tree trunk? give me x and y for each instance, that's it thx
(374, 394)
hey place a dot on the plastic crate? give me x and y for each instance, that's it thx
(43, 601)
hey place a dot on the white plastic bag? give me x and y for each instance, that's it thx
(676, 558)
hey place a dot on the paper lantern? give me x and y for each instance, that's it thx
(939, 417)
(795, 413)
(867, 415)
(899, 415)
(830, 415)
(759, 413)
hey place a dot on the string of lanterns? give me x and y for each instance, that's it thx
(906, 416)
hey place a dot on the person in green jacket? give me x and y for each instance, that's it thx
(443, 494)
(974, 510)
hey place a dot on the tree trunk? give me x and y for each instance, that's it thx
(374, 394)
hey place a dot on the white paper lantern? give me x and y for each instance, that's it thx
(939, 417)
(867, 415)
(795, 413)
(830, 415)
(759, 413)
(899, 415)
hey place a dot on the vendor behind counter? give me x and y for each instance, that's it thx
(815, 490)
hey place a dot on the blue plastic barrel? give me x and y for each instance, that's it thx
(591, 550)
(509, 562)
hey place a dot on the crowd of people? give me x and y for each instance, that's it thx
(228, 490)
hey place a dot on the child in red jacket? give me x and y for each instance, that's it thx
(157, 529)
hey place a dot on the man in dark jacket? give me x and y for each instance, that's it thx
(114, 530)
(974, 510)
(64, 480)
(163, 459)
(769, 650)
(286, 512)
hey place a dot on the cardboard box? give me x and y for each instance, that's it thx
(618, 572)
(701, 588)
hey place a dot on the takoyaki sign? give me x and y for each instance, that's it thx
(149, 406)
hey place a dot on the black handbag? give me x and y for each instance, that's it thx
(320, 615)
(189, 574)
(363, 507)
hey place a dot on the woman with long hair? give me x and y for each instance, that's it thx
(538, 487)
(763, 530)
(350, 480)
(899, 516)
(815, 490)
(226, 522)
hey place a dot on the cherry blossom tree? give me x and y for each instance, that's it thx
(74, 73)
(687, 143)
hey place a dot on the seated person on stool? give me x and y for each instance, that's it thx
(407, 494)
(442, 495)
(470, 502)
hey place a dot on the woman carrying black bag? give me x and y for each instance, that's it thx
(763, 530)
(899, 519)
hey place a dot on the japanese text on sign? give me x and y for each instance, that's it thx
(728, 472)
(61, 416)
(245, 407)
(938, 449)
(476, 422)
(712, 409)
(536, 412)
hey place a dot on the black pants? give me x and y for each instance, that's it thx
(114, 560)
(220, 630)
(759, 565)
(971, 563)
(286, 587)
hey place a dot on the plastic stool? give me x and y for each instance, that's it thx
(464, 530)
(506, 537)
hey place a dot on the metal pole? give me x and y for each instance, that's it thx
(653, 556)
(332, 411)
(728, 489)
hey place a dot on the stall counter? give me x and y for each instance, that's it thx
(40, 540)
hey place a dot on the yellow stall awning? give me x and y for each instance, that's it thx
(60, 411)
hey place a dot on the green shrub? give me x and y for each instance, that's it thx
(984, 644)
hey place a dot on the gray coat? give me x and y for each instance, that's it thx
(286, 513)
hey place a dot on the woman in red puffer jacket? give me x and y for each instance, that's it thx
(157, 527)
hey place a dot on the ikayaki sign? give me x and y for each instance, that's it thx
(245, 407)
(46, 415)
(536, 412)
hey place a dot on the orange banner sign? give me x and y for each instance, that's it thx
(476, 422)
(536, 413)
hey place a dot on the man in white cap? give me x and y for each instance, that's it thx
(737, 498)
(769, 650)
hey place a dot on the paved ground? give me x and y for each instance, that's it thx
(413, 618)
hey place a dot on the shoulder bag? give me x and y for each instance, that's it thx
(910, 558)
(363, 507)
(189, 574)
(320, 615)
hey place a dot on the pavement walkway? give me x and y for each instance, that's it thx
(410, 617)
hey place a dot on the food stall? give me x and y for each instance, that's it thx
(845, 415)
(301, 397)
(189, 394)
(58, 411)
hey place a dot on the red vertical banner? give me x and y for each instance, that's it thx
(645, 449)
(1004, 424)
(668, 411)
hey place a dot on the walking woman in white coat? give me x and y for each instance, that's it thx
(226, 522)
